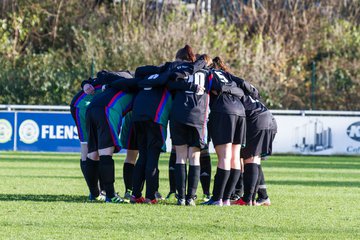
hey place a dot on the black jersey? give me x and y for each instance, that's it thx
(105, 77)
(257, 115)
(244, 85)
(153, 100)
(191, 107)
(225, 96)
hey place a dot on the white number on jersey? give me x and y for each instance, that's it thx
(198, 79)
(221, 77)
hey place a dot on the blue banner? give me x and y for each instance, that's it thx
(46, 132)
(7, 120)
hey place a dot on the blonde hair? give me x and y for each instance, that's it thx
(207, 59)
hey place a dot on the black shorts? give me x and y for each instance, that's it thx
(149, 135)
(103, 129)
(227, 128)
(258, 143)
(182, 134)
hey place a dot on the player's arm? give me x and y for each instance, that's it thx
(125, 84)
(245, 86)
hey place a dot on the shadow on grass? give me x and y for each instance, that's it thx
(42, 176)
(314, 183)
(42, 198)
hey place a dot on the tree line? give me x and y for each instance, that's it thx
(300, 54)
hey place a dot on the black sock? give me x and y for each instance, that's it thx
(232, 181)
(220, 180)
(128, 175)
(205, 173)
(172, 179)
(157, 178)
(139, 175)
(251, 173)
(262, 193)
(239, 188)
(180, 173)
(152, 172)
(83, 168)
(92, 176)
(100, 184)
(107, 173)
(193, 181)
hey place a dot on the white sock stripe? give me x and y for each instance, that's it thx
(262, 186)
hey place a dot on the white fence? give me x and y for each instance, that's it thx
(299, 131)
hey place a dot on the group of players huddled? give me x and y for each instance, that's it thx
(202, 101)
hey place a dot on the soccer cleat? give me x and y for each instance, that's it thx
(213, 202)
(158, 196)
(134, 200)
(100, 198)
(181, 202)
(235, 197)
(127, 196)
(226, 202)
(206, 197)
(263, 202)
(115, 199)
(190, 202)
(241, 202)
(149, 201)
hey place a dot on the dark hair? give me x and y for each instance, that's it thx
(186, 54)
(218, 63)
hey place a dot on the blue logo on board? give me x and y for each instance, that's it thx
(353, 131)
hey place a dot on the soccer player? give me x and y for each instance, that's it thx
(188, 127)
(128, 142)
(150, 116)
(78, 107)
(262, 129)
(228, 114)
(103, 122)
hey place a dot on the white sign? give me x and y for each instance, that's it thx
(317, 135)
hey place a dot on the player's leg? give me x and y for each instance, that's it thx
(180, 172)
(108, 125)
(263, 198)
(224, 153)
(172, 178)
(155, 142)
(205, 173)
(234, 174)
(92, 158)
(140, 165)
(194, 175)
(128, 169)
(251, 174)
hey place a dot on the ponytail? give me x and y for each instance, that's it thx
(186, 54)
(219, 64)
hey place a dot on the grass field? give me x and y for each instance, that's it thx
(43, 196)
